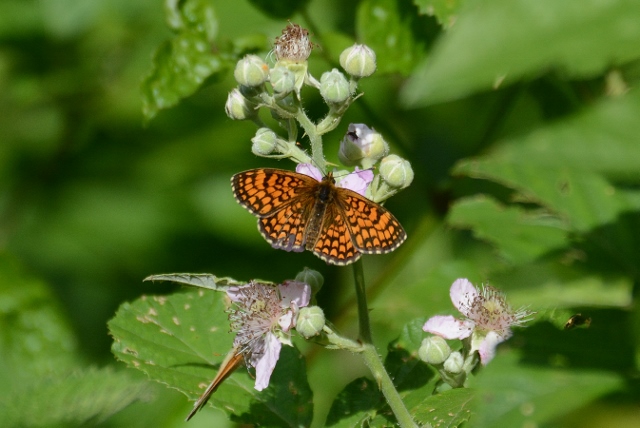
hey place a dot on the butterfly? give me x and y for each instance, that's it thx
(297, 212)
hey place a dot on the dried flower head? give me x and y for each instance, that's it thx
(293, 44)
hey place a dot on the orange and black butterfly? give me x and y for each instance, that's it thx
(297, 212)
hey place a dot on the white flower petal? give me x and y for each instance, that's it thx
(463, 293)
(295, 292)
(448, 327)
(310, 170)
(487, 348)
(357, 181)
(286, 321)
(266, 364)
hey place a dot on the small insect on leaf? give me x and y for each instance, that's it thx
(577, 320)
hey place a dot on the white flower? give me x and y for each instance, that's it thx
(358, 181)
(263, 318)
(489, 318)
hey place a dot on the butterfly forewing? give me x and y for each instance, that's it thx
(264, 191)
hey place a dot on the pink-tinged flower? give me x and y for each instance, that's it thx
(358, 181)
(263, 318)
(488, 318)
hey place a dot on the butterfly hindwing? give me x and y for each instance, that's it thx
(334, 244)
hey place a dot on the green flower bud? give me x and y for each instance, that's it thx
(334, 87)
(310, 321)
(454, 364)
(358, 60)
(251, 71)
(396, 172)
(238, 107)
(434, 350)
(311, 277)
(264, 142)
(283, 80)
(362, 145)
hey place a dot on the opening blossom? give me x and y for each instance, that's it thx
(488, 318)
(358, 181)
(263, 319)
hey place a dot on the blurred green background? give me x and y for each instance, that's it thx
(94, 197)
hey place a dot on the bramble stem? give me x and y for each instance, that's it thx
(371, 357)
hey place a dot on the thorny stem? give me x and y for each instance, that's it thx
(371, 357)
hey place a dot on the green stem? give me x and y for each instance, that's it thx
(371, 357)
(315, 138)
(361, 296)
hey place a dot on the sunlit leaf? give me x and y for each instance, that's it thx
(182, 64)
(512, 394)
(382, 25)
(201, 280)
(448, 409)
(520, 235)
(495, 42)
(445, 11)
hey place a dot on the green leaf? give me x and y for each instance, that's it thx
(520, 235)
(512, 394)
(445, 11)
(386, 29)
(494, 42)
(279, 8)
(87, 395)
(35, 336)
(579, 170)
(201, 280)
(181, 65)
(361, 401)
(180, 340)
(447, 409)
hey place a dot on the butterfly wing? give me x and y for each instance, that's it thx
(372, 228)
(334, 244)
(282, 201)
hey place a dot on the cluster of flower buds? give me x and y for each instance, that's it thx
(278, 88)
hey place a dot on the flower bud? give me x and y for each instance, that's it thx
(454, 364)
(251, 71)
(238, 107)
(358, 60)
(434, 350)
(396, 172)
(360, 143)
(264, 142)
(310, 321)
(283, 80)
(311, 277)
(334, 87)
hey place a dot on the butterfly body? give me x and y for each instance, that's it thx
(297, 212)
